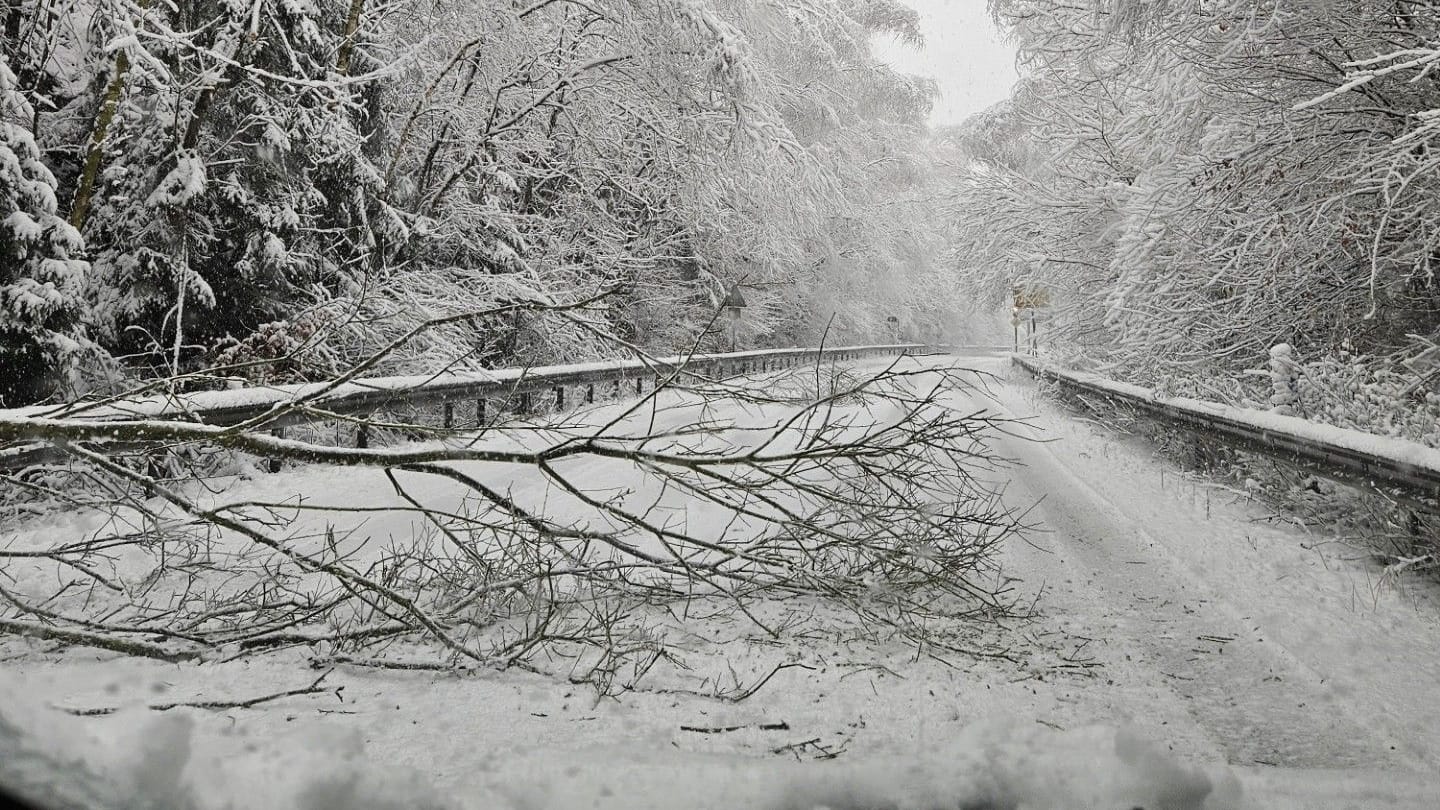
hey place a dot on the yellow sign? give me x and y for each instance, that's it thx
(1031, 297)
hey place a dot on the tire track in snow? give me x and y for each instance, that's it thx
(1109, 577)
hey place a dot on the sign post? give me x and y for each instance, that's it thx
(1027, 300)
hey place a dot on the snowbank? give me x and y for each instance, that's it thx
(139, 759)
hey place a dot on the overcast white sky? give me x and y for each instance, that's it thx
(963, 52)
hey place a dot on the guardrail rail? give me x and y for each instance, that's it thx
(1352, 456)
(462, 398)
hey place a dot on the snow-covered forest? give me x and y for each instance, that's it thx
(282, 189)
(1213, 188)
(598, 403)
(191, 185)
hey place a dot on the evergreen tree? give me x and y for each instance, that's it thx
(235, 190)
(41, 269)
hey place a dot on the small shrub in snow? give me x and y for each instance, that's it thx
(1388, 396)
(276, 352)
(1283, 372)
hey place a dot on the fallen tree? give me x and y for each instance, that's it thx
(578, 544)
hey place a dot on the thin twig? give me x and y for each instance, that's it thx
(215, 705)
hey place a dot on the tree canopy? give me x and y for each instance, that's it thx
(231, 180)
(1197, 183)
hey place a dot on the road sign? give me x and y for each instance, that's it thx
(1030, 297)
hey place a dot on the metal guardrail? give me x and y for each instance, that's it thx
(483, 394)
(1352, 456)
(967, 349)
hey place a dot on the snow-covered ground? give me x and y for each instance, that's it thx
(1188, 650)
(1220, 626)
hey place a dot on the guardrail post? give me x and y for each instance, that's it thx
(449, 417)
(274, 464)
(590, 394)
(639, 386)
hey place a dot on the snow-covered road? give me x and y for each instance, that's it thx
(1231, 636)
(1170, 608)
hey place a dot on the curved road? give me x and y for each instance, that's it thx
(1281, 646)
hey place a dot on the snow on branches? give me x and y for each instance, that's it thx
(41, 272)
(231, 165)
(1201, 182)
